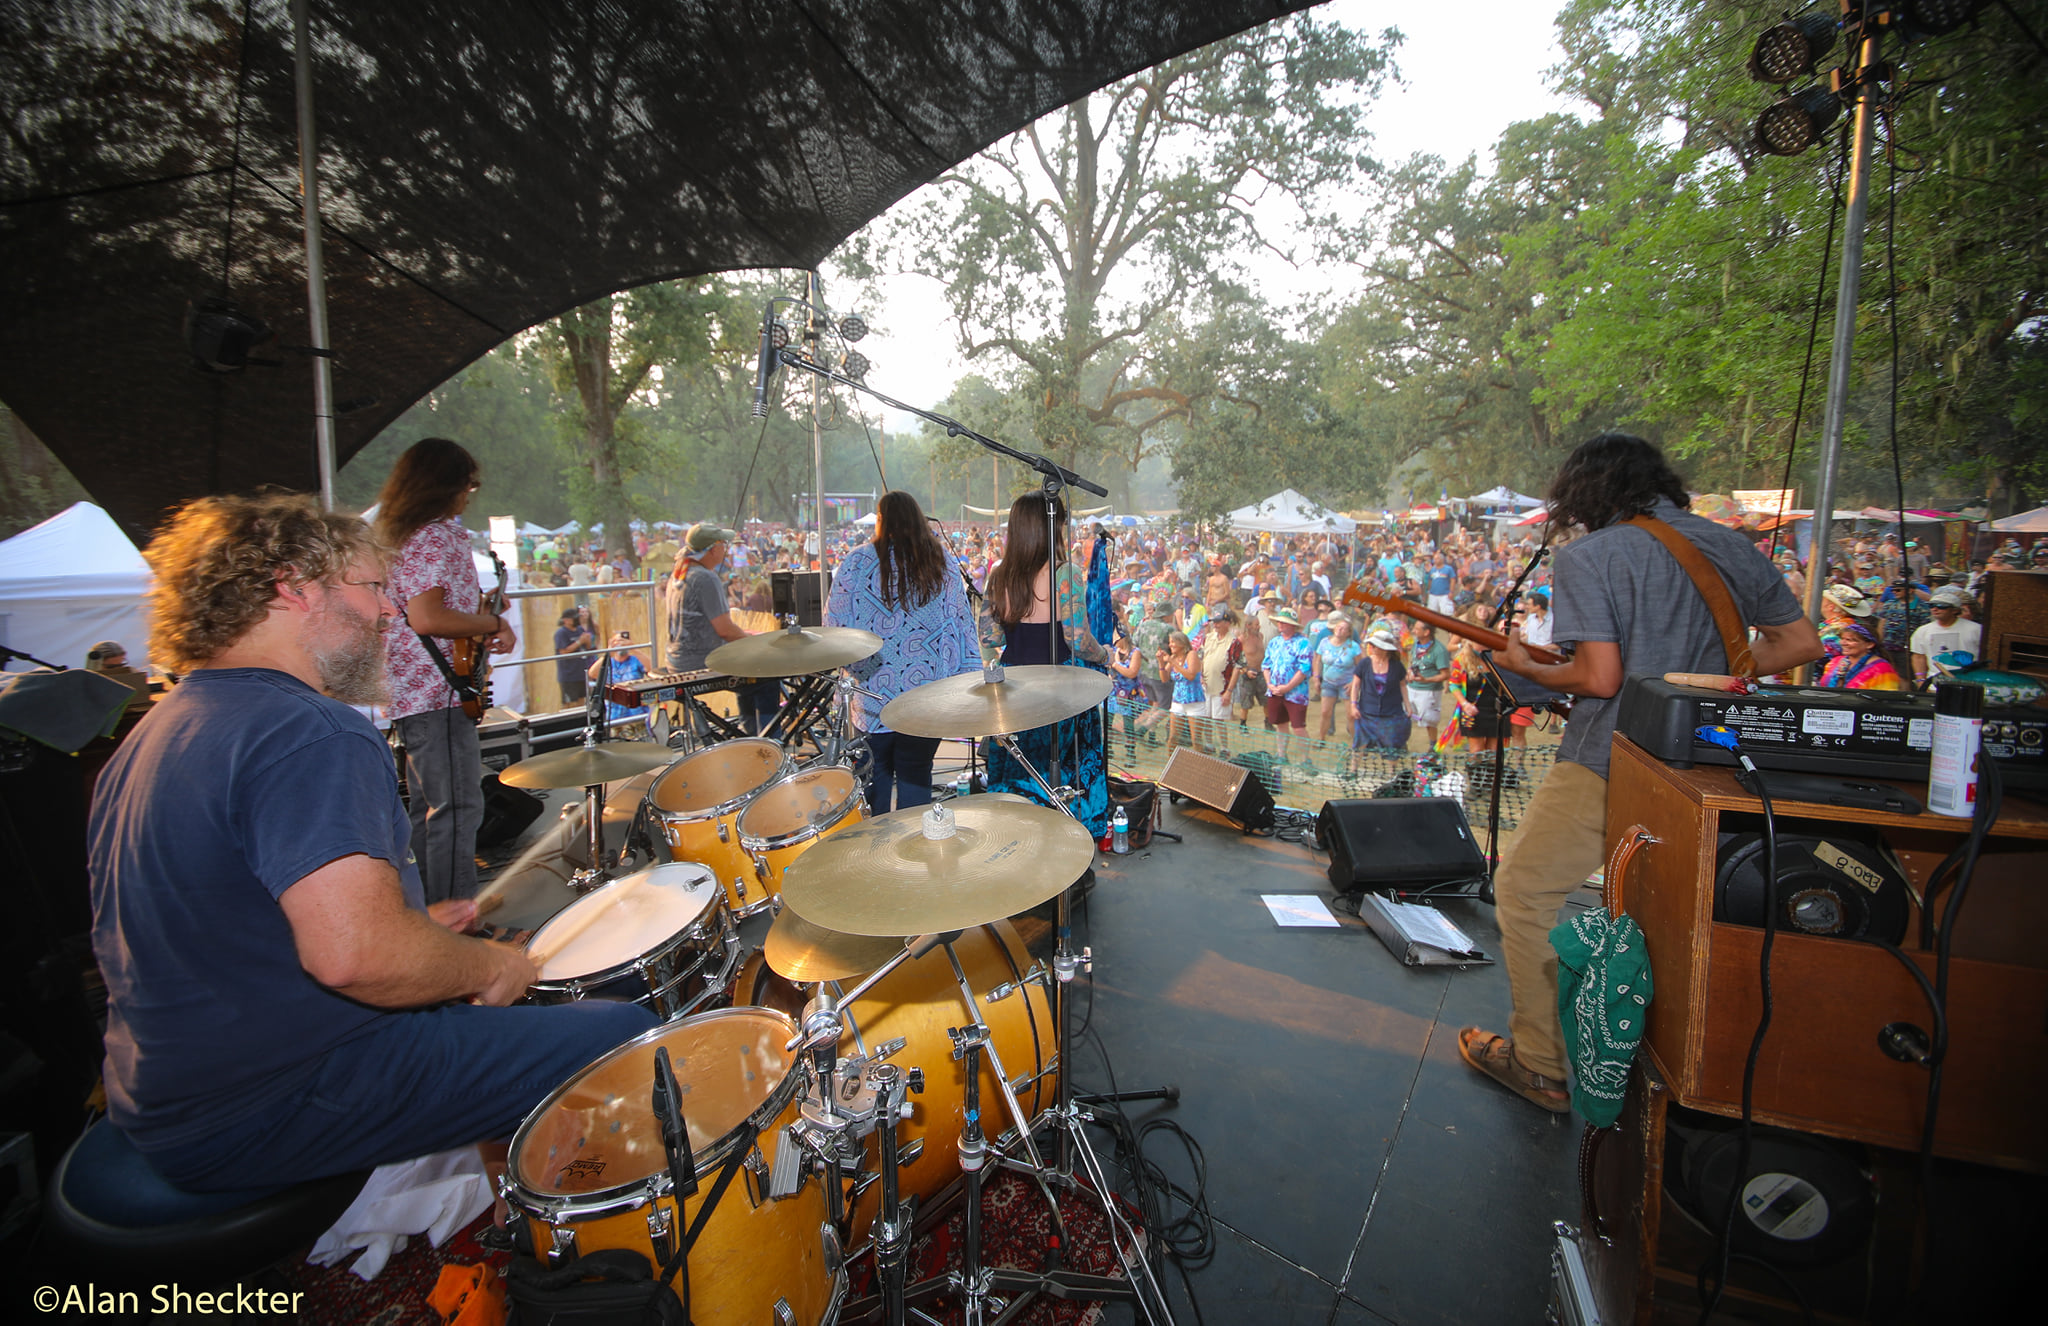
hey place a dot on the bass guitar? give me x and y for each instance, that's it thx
(469, 659)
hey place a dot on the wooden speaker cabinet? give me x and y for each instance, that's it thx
(2013, 605)
(1822, 1069)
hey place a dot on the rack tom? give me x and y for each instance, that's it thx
(698, 801)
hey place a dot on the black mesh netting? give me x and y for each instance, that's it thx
(486, 165)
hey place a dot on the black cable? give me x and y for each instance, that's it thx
(1891, 304)
(739, 507)
(1756, 1044)
(1820, 290)
(1798, 1295)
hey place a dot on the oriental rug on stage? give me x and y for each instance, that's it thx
(1017, 1233)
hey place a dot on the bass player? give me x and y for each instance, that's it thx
(1622, 594)
(433, 578)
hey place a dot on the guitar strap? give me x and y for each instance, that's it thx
(462, 688)
(1706, 578)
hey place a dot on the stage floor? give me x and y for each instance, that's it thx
(1358, 1171)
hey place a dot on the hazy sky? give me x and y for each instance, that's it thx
(1470, 69)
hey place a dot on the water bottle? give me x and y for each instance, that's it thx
(962, 784)
(1120, 832)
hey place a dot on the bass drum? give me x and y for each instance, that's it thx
(917, 1003)
(586, 1170)
(698, 801)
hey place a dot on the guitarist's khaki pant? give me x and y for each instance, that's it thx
(1563, 840)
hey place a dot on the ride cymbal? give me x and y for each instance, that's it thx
(967, 706)
(805, 952)
(786, 653)
(585, 766)
(884, 877)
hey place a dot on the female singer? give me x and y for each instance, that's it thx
(902, 586)
(1026, 596)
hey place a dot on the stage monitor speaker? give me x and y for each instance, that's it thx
(2015, 614)
(1230, 788)
(799, 594)
(1398, 842)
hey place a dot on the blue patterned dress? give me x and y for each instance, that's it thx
(1087, 613)
(929, 642)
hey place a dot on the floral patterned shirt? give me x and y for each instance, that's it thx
(437, 556)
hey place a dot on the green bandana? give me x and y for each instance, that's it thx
(1603, 1000)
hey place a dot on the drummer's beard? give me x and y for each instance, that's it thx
(348, 649)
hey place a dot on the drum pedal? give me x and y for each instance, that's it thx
(786, 1175)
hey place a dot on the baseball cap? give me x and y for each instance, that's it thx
(703, 534)
(1950, 597)
(106, 649)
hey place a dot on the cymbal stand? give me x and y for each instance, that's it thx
(1067, 1117)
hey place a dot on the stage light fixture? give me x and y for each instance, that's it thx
(221, 335)
(778, 333)
(1792, 49)
(855, 366)
(1935, 17)
(1791, 124)
(853, 326)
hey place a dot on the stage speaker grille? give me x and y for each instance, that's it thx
(1398, 843)
(1230, 788)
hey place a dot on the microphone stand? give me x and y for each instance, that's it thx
(8, 655)
(1503, 619)
(1068, 1115)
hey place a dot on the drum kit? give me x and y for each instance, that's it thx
(830, 1081)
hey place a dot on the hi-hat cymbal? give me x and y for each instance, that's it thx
(583, 766)
(794, 653)
(967, 706)
(884, 877)
(804, 951)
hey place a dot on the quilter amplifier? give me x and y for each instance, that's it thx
(1871, 734)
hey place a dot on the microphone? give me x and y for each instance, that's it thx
(765, 369)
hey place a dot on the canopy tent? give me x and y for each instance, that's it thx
(1913, 517)
(2025, 522)
(1288, 512)
(1502, 495)
(484, 167)
(528, 527)
(71, 582)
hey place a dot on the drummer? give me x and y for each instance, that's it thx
(281, 1003)
(902, 586)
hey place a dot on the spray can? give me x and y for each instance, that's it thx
(1958, 739)
(1120, 832)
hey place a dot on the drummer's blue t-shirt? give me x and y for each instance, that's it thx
(237, 785)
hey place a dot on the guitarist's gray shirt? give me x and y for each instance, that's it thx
(691, 612)
(1619, 584)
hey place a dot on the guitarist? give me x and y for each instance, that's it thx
(1622, 595)
(432, 577)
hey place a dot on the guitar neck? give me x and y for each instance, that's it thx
(1478, 635)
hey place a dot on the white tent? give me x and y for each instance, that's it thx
(1288, 512)
(528, 527)
(1502, 495)
(71, 582)
(2025, 522)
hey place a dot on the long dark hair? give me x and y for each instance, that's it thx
(1024, 552)
(422, 488)
(911, 563)
(1611, 477)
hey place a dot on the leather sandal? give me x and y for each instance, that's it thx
(1494, 1055)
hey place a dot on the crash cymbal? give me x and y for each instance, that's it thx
(583, 766)
(967, 706)
(786, 653)
(884, 877)
(806, 952)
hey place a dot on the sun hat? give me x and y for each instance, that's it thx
(1383, 636)
(1849, 599)
(1286, 615)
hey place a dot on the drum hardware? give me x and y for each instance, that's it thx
(649, 936)
(892, 1229)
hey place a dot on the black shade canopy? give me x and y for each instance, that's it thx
(485, 165)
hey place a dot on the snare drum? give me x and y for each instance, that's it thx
(661, 938)
(698, 800)
(586, 1170)
(790, 814)
(916, 1003)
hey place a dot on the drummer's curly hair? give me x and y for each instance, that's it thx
(218, 562)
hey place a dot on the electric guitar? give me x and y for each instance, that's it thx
(1523, 690)
(469, 659)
